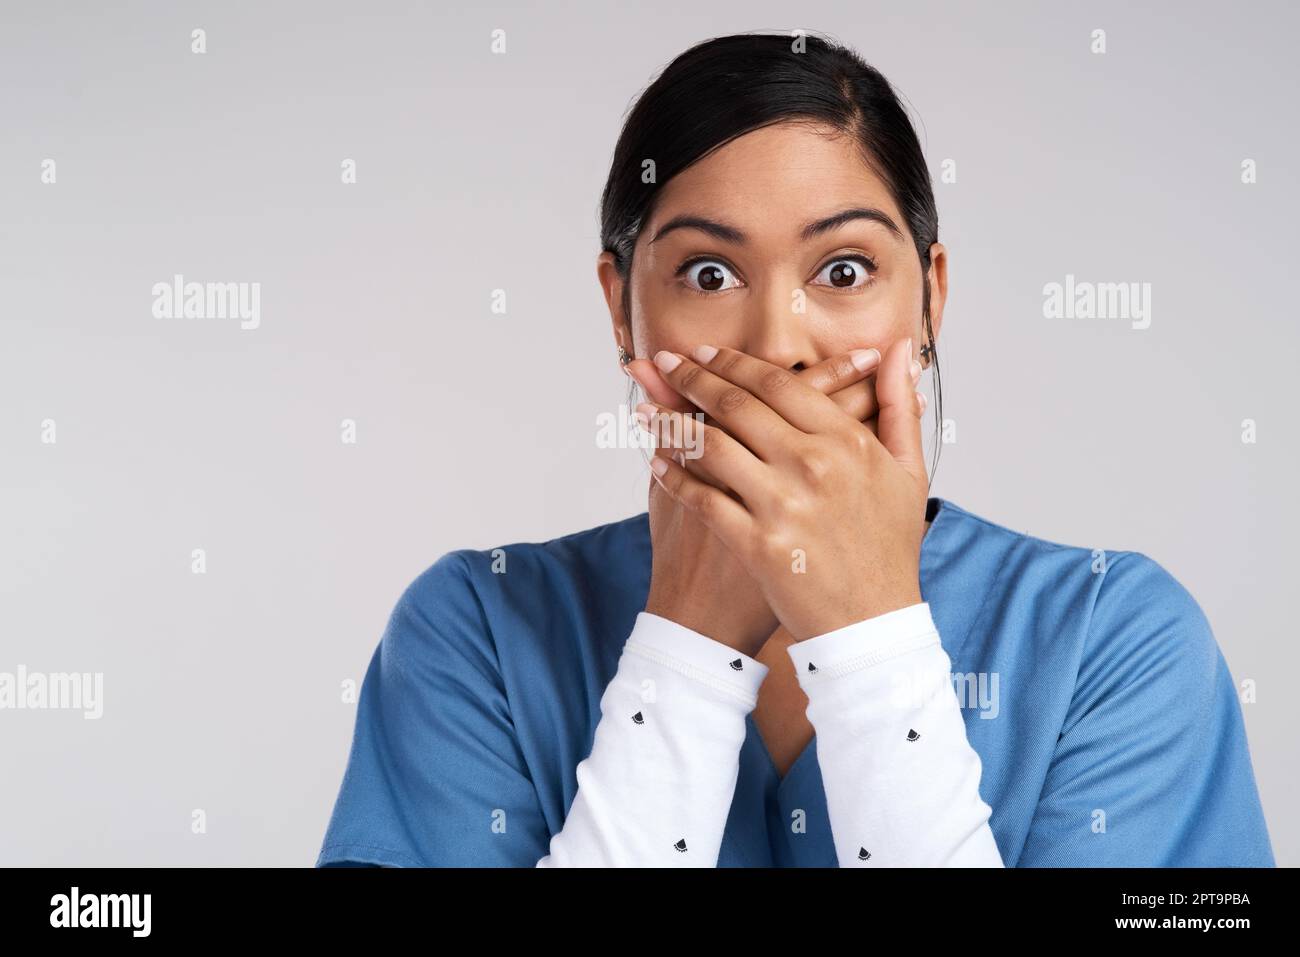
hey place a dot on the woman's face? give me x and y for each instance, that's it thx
(748, 248)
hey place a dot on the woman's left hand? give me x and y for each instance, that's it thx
(827, 517)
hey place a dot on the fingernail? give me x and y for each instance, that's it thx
(704, 354)
(864, 359)
(923, 401)
(680, 458)
(658, 465)
(667, 361)
(646, 409)
(916, 371)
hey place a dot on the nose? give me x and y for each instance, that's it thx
(776, 331)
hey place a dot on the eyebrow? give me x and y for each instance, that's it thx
(731, 234)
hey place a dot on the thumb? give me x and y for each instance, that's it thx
(899, 421)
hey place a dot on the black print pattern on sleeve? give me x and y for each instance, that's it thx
(913, 734)
(864, 854)
(681, 845)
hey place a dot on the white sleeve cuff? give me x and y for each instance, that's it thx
(864, 643)
(697, 656)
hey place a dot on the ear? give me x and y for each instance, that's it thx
(645, 372)
(611, 283)
(937, 277)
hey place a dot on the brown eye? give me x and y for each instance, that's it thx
(842, 274)
(710, 278)
(708, 275)
(847, 272)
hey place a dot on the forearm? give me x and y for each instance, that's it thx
(657, 787)
(901, 779)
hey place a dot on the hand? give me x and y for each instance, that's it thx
(695, 580)
(825, 516)
(856, 396)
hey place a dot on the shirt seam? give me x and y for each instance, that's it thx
(350, 845)
(691, 671)
(874, 657)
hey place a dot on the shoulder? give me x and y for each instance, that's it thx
(609, 549)
(1122, 607)
(1148, 633)
(992, 539)
(468, 594)
(1114, 581)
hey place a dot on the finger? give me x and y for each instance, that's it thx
(723, 515)
(858, 401)
(706, 449)
(737, 410)
(838, 372)
(693, 466)
(803, 406)
(899, 421)
(656, 388)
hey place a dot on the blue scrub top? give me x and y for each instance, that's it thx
(1091, 686)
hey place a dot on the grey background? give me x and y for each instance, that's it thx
(477, 172)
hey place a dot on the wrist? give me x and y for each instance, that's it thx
(824, 620)
(746, 638)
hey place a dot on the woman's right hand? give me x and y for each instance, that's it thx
(695, 582)
(694, 579)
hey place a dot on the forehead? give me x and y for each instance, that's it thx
(774, 179)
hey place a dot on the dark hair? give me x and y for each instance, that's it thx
(728, 86)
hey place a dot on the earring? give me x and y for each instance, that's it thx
(926, 353)
(623, 356)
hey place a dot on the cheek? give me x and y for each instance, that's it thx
(665, 317)
(878, 322)
(652, 320)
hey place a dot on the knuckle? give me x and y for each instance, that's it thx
(730, 360)
(775, 380)
(778, 508)
(701, 502)
(689, 376)
(815, 466)
(859, 440)
(837, 372)
(732, 399)
(774, 543)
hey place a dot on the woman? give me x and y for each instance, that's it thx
(795, 657)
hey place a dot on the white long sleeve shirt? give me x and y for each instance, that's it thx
(901, 779)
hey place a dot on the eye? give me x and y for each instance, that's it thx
(704, 275)
(847, 272)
